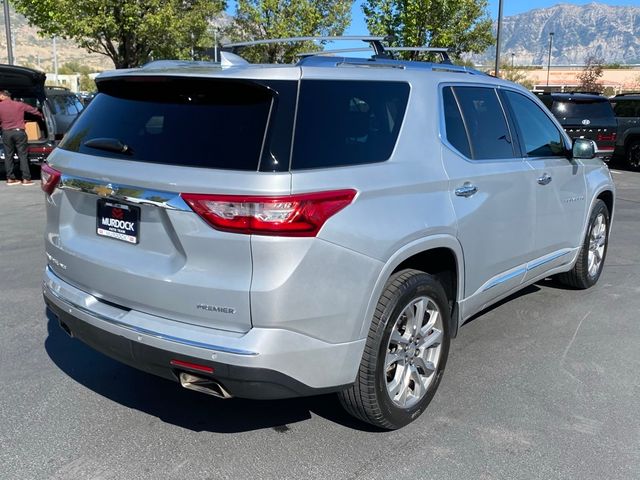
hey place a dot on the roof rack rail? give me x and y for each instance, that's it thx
(444, 52)
(374, 41)
(331, 52)
(627, 93)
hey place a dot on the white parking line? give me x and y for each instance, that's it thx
(616, 171)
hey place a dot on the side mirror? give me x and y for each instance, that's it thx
(583, 148)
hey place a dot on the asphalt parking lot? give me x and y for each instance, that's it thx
(543, 386)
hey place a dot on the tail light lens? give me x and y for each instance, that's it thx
(300, 215)
(606, 137)
(49, 178)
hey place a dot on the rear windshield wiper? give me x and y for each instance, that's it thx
(109, 144)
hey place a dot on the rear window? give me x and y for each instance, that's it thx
(347, 122)
(193, 122)
(626, 108)
(579, 108)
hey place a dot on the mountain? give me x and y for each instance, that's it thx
(607, 32)
(32, 50)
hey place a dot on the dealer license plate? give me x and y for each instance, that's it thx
(118, 220)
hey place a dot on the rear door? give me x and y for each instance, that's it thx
(118, 227)
(559, 183)
(491, 191)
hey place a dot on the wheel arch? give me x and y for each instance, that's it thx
(440, 255)
(608, 198)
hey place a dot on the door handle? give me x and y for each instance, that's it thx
(544, 179)
(466, 190)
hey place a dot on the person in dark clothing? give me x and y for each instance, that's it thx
(14, 136)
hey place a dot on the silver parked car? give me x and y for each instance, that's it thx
(270, 231)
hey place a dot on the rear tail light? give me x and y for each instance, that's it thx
(47, 149)
(606, 137)
(49, 178)
(300, 215)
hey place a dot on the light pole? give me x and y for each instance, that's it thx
(512, 57)
(549, 57)
(7, 28)
(215, 45)
(55, 60)
(497, 69)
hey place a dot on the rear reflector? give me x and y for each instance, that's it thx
(606, 137)
(191, 366)
(299, 215)
(49, 178)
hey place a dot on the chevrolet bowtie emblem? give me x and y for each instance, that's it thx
(105, 190)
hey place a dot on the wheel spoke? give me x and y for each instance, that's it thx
(404, 389)
(425, 365)
(415, 317)
(418, 382)
(398, 339)
(431, 340)
(434, 316)
(393, 357)
(597, 255)
(395, 385)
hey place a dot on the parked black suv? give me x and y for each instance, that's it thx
(585, 115)
(27, 85)
(626, 107)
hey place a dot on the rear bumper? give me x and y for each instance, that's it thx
(260, 364)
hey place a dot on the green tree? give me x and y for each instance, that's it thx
(463, 26)
(588, 78)
(87, 84)
(260, 19)
(129, 32)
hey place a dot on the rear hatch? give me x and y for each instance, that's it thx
(588, 117)
(27, 85)
(120, 228)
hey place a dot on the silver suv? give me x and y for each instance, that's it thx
(270, 231)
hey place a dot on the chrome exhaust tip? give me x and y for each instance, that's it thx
(203, 385)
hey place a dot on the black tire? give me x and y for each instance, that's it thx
(579, 276)
(368, 399)
(632, 154)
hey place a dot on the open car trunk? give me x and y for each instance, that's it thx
(27, 85)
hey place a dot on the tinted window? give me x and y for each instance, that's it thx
(582, 108)
(347, 122)
(626, 108)
(57, 104)
(485, 121)
(70, 106)
(456, 133)
(178, 121)
(538, 133)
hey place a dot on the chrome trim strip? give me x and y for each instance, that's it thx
(538, 263)
(125, 193)
(144, 331)
(504, 278)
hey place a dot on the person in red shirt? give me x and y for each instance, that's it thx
(14, 137)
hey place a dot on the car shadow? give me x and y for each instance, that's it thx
(172, 404)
